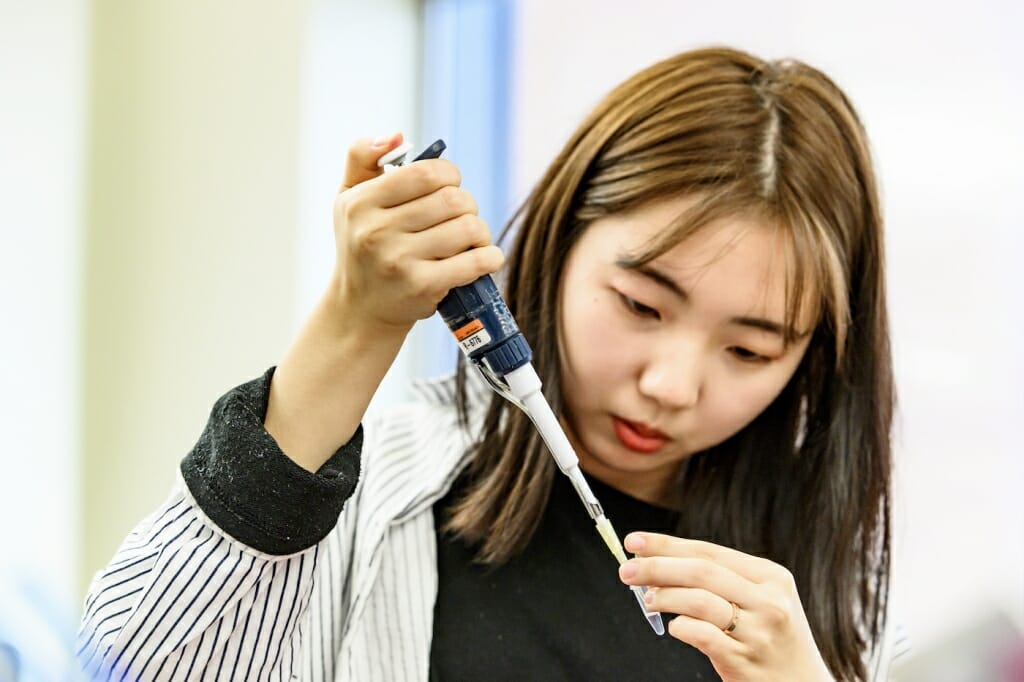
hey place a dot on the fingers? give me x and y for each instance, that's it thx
(452, 237)
(743, 612)
(361, 164)
(467, 266)
(707, 638)
(691, 601)
(416, 180)
(433, 209)
(664, 572)
(750, 567)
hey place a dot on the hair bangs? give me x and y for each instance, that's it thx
(818, 275)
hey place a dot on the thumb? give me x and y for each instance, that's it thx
(361, 164)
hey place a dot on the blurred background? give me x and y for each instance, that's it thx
(167, 172)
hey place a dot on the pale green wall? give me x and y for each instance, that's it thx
(192, 188)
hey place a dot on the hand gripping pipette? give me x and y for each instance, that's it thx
(483, 326)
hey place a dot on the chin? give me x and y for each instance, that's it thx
(617, 456)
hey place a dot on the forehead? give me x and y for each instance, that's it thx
(740, 264)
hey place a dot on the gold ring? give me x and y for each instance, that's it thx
(735, 618)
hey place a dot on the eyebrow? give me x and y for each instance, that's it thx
(787, 332)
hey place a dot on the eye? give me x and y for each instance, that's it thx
(747, 355)
(638, 308)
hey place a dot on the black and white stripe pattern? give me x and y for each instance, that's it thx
(182, 600)
(187, 599)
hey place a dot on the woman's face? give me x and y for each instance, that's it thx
(671, 358)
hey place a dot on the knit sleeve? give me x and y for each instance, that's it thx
(247, 486)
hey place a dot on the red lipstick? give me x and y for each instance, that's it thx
(638, 437)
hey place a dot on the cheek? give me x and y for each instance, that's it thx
(596, 344)
(735, 402)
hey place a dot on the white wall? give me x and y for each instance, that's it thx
(42, 107)
(940, 89)
(41, 143)
(361, 78)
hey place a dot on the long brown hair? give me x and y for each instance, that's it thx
(807, 482)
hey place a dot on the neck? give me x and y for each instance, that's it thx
(654, 487)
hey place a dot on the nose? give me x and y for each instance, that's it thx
(673, 376)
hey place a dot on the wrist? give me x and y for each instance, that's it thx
(325, 381)
(345, 317)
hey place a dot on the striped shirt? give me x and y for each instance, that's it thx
(313, 595)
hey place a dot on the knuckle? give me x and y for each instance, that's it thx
(481, 259)
(468, 227)
(493, 258)
(433, 174)
(482, 232)
(701, 571)
(453, 198)
(490, 258)
(750, 650)
(367, 239)
(470, 202)
(759, 645)
(705, 550)
(786, 578)
(776, 613)
(454, 175)
(391, 266)
(435, 293)
(422, 287)
(423, 173)
(703, 605)
(349, 204)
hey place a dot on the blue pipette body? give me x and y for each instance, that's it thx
(477, 315)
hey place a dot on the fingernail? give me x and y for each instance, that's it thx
(381, 141)
(635, 542)
(627, 570)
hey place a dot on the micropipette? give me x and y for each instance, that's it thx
(484, 328)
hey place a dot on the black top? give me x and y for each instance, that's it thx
(558, 611)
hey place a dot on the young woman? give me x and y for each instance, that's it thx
(700, 275)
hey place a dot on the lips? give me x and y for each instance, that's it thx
(638, 437)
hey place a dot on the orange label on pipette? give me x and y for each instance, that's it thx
(468, 329)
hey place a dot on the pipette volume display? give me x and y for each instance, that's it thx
(484, 328)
